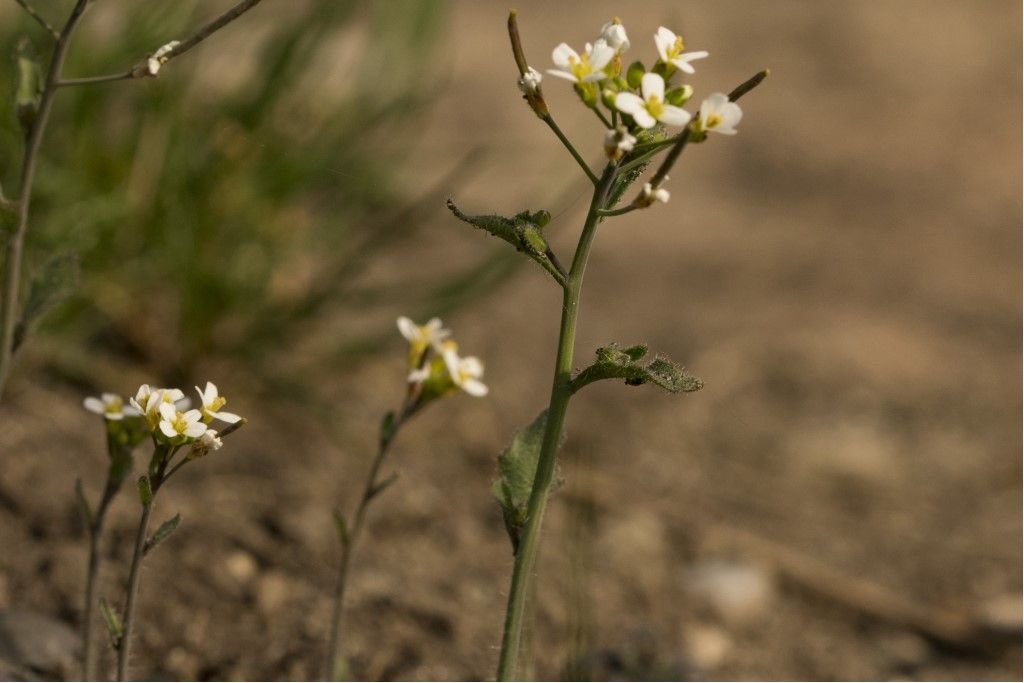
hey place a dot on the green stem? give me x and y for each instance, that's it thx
(128, 619)
(568, 145)
(91, 577)
(370, 489)
(561, 392)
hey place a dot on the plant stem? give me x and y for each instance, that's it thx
(568, 145)
(39, 19)
(526, 554)
(91, 577)
(16, 240)
(370, 489)
(128, 620)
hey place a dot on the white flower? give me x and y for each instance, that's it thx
(720, 115)
(211, 403)
(530, 81)
(670, 48)
(618, 143)
(110, 406)
(148, 400)
(422, 337)
(465, 372)
(650, 194)
(585, 68)
(614, 35)
(207, 442)
(651, 108)
(174, 423)
(159, 58)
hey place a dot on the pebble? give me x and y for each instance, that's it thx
(737, 593)
(272, 592)
(39, 644)
(241, 566)
(707, 646)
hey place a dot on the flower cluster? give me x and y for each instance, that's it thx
(435, 366)
(640, 99)
(165, 414)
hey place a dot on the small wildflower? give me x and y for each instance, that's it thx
(148, 400)
(651, 108)
(618, 143)
(422, 337)
(650, 194)
(210, 404)
(175, 424)
(110, 406)
(530, 81)
(465, 372)
(719, 115)
(670, 49)
(207, 442)
(614, 36)
(585, 68)
(159, 58)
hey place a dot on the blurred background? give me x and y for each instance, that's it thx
(841, 501)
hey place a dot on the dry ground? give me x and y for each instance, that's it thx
(845, 276)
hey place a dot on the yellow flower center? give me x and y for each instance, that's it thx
(676, 49)
(217, 403)
(179, 423)
(712, 120)
(113, 406)
(654, 106)
(580, 67)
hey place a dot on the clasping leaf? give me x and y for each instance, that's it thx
(618, 363)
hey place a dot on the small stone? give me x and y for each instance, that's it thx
(736, 593)
(272, 592)
(707, 646)
(241, 566)
(1002, 614)
(38, 643)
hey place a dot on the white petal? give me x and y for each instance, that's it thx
(210, 392)
(167, 429)
(451, 361)
(109, 398)
(195, 430)
(664, 39)
(474, 387)
(94, 405)
(601, 54)
(114, 416)
(230, 418)
(408, 328)
(132, 410)
(674, 116)
(628, 103)
(471, 366)
(174, 394)
(562, 74)
(167, 411)
(563, 54)
(691, 56)
(137, 406)
(643, 118)
(143, 393)
(714, 103)
(731, 115)
(594, 77)
(683, 66)
(652, 85)
(193, 416)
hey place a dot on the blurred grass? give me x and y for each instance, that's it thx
(230, 207)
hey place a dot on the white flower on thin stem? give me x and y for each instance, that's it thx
(465, 372)
(422, 337)
(210, 404)
(651, 194)
(110, 406)
(618, 143)
(530, 81)
(174, 423)
(585, 68)
(147, 402)
(614, 35)
(670, 49)
(208, 441)
(651, 108)
(159, 58)
(719, 115)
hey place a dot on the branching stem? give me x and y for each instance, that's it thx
(39, 19)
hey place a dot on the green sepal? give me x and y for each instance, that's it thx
(83, 505)
(341, 526)
(161, 533)
(523, 231)
(679, 96)
(635, 74)
(145, 491)
(614, 362)
(517, 467)
(30, 84)
(113, 622)
(52, 284)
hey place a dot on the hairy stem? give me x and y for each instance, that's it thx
(91, 577)
(561, 392)
(370, 490)
(128, 618)
(16, 241)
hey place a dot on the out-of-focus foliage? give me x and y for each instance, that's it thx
(227, 206)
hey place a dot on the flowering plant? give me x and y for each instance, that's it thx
(640, 108)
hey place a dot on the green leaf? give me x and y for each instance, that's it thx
(341, 526)
(145, 491)
(517, 467)
(162, 532)
(113, 623)
(83, 505)
(51, 284)
(618, 363)
(523, 231)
